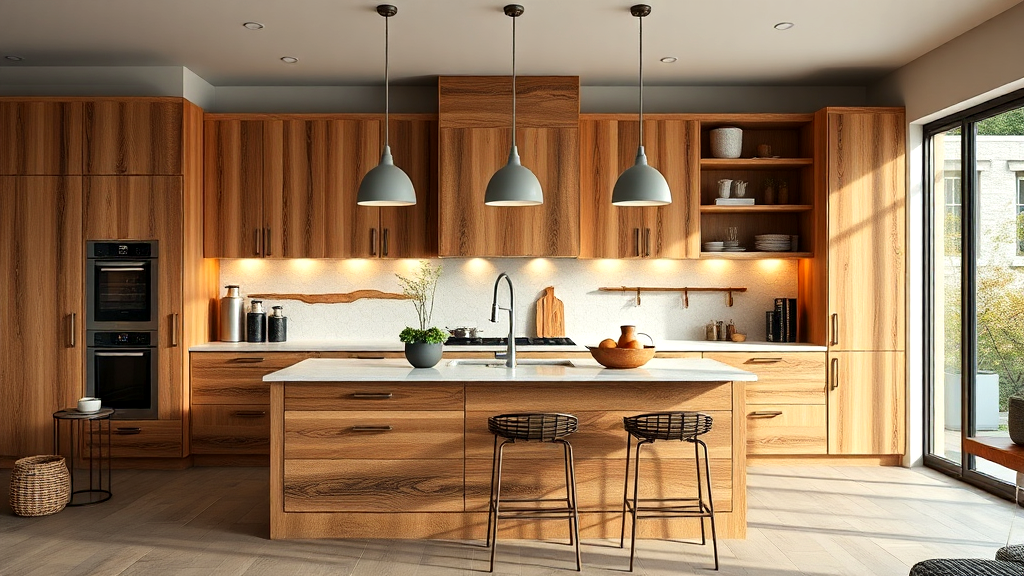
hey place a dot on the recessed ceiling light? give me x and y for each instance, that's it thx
(14, 58)
(253, 25)
(783, 25)
(669, 59)
(289, 59)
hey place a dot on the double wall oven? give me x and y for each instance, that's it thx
(122, 320)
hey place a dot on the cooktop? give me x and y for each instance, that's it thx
(520, 341)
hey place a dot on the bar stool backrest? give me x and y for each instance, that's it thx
(668, 425)
(532, 427)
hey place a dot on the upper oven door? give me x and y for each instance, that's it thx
(122, 295)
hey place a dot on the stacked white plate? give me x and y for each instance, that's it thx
(714, 246)
(773, 242)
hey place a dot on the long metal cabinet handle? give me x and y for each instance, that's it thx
(122, 269)
(258, 240)
(647, 241)
(72, 329)
(636, 240)
(385, 249)
(174, 330)
(121, 354)
(835, 373)
(764, 361)
(249, 413)
(835, 330)
(372, 395)
(766, 414)
(256, 360)
(267, 244)
(373, 241)
(126, 431)
(371, 428)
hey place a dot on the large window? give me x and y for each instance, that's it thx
(1020, 214)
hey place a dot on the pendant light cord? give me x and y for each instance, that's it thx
(641, 19)
(387, 81)
(513, 82)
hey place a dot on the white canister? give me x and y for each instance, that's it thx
(726, 142)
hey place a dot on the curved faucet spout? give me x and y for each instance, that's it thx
(510, 353)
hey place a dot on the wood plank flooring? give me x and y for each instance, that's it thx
(811, 521)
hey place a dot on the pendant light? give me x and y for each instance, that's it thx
(515, 184)
(387, 184)
(641, 185)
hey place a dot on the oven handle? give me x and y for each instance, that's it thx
(121, 354)
(123, 269)
(120, 264)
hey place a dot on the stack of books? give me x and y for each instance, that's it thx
(780, 323)
(734, 201)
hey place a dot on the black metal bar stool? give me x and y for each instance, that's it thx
(646, 429)
(513, 428)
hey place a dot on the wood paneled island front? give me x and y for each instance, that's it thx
(378, 449)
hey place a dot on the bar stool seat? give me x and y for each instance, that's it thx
(667, 426)
(518, 428)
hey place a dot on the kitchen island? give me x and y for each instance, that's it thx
(378, 449)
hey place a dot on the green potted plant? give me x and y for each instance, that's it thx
(423, 345)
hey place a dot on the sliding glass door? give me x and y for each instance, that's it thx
(975, 267)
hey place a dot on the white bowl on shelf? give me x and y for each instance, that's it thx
(89, 405)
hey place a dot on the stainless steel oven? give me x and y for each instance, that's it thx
(121, 370)
(121, 285)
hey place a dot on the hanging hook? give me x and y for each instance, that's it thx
(686, 298)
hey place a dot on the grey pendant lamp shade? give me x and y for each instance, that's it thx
(641, 184)
(515, 184)
(386, 184)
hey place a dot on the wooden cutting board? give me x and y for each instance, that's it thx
(550, 315)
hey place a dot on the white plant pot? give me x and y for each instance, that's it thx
(986, 401)
(726, 142)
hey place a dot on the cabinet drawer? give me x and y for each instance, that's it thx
(225, 378)
(373, 485)
(787, 429)
(364, 396)
(392, 435)
(782, 378)
(632, 397)
(141, 438)
(231, 429)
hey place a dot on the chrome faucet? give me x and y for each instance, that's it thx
(510, 353)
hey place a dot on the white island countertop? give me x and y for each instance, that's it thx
(582, 370)
(342, 345)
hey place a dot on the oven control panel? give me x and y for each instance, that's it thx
(111, 339)
(121, 250)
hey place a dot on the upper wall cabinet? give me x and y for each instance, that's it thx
(286, 187)
(136, 136)
(40, 137)
(474, 135)
(608, 146)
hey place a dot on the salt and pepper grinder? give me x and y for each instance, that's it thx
(711, 331)
(730, 329)
(256, 323)
(277, 325)
(720, 330)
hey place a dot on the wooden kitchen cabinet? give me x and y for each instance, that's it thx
(233, 188)
(608, 145)
(866, 405)
(41, 296)
(40, 137)
(474, 134)
(133, 136)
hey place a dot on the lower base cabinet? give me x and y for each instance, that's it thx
(787, 429)
(230, 429)
(866, 403)
(141, 439)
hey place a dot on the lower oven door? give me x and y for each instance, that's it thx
(124, 379)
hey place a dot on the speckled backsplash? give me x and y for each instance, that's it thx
(464, 294)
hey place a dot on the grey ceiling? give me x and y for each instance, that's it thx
(340, 42)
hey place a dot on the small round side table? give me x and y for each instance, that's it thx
(97, 426)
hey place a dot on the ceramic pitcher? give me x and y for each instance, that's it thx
(741, 188)
(724, 188)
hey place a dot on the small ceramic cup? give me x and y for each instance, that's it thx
(88, 404)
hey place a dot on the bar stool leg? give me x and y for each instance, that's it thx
(497, 504)
(568, 488)
(636, 498)
(574, 520)
(490, 500)
(625, 492)
(711, 503)
(700, 492)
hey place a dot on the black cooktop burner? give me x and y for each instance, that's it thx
(520, 341)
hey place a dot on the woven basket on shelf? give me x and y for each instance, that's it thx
(40, 485)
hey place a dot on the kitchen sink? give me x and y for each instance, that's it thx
(497, 363)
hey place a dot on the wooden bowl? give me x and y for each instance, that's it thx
(622, 357)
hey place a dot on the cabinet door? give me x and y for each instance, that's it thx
(607, 148)
(866, 231)
(866, 407)
(233, 188)
(133, 136)
(41, 360)
(673, 147)
(411, 231)
(41, 138)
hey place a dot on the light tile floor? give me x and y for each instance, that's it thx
(803, 521)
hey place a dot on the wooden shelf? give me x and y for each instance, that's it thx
(754, 163)
(756, 208)
(755, 255)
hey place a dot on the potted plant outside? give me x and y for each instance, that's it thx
(423, 345)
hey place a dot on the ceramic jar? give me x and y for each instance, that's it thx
(628, 335)
(726, 142)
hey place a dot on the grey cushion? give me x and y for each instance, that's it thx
(1012, 553)
(966, 567)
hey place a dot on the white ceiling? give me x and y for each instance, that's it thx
(341, 42)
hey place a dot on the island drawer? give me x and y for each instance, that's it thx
(366, 396)
(391, 435)
(634, 397)
(782, 378)
(434, 485)
(231, 429)
(237, 378)
(787, 429)
(141, 438)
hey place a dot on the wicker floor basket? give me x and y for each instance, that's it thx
(40, 485)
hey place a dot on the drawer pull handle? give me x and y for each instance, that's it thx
(126, 431)
(250, 413)
(835, 330)
(835, 373)
(764, 361)
(372, 395)
(371, 428)
(247, 360)
(369, 357)
(766, 414)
